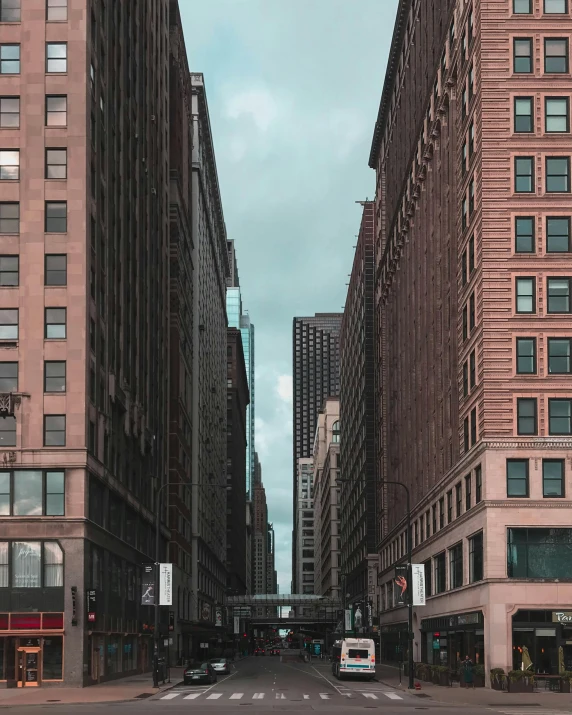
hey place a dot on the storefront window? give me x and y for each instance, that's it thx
(52, 658)
(113, 655)
(129, 654)
(26, 564)
(539, 553)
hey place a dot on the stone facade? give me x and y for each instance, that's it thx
(489, 475)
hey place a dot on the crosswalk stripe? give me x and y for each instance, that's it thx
(393, 696)
(324, 696)
(306, 697)
(371, 696)
(280, 696)
(258, 696)
(192, 696)
(236, 696)
(214, 696)
(170, 696)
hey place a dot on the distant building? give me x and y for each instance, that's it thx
(327, 509)
(316, 375)
(357, 417)
(260, 539)
(237, 400)
(304, 521)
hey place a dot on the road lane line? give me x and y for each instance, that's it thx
(192, 696)
(280, 696)
(170, 696)
(306, 697)
(258, 696)
(236, 696)
(214, 696)
(393, 696)
(371, 696)
(329, 682)
(324, 696)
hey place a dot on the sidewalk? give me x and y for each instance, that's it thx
(137, 687)
(485, 697)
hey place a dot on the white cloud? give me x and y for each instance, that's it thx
(284, 388)
(256, 103)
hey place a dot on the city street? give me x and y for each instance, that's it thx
(269, 685)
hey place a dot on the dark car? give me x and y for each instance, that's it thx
(199, 673)
(260, 651)
(275, 651)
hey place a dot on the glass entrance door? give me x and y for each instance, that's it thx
(28, 667)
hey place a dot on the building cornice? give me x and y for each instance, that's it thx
(392, 64)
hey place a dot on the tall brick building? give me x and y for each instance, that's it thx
(472, 156)
(84, 314)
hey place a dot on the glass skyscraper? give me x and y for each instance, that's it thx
(240, 320)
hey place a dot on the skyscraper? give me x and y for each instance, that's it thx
(84, 314)
(357, 416)
(316, 375)
(472, 154)
(209, 371)
(237, 318)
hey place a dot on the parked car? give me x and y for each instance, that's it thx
(275, 651)
(220, 665)
(259, 651)
(199, 673)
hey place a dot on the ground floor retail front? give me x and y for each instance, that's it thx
(507, 625)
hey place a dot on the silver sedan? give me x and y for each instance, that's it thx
(221, 666)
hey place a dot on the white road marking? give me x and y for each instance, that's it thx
(236, 696)
(214, 696)
(324, 696)
(329, 682)
(393, 696)
(192, 696)
(258, 696)
(371, 696)
(306, 697)
(170, 696)
(280, 696)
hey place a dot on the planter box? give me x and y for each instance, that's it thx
(497, 683)
(564, 685)
(520, 686)
(479, 681)
(441, 679)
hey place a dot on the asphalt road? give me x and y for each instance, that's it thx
(267, 685)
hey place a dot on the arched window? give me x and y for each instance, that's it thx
(336, 431)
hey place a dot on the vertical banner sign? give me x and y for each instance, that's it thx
(401, 586)
(171, 620)
(418, 584)
(237, 624)
(148, 585)
(91, 606)
(165, 584)
(218, 616)
(348, 619)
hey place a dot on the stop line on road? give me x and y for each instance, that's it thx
(186, 695)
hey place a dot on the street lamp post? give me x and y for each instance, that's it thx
(156, 604)
(409, 590)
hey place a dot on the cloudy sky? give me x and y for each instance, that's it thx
(293, 88)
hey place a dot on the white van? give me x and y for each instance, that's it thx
(354, 657)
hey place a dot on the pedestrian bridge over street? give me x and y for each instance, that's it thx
(270, 609)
